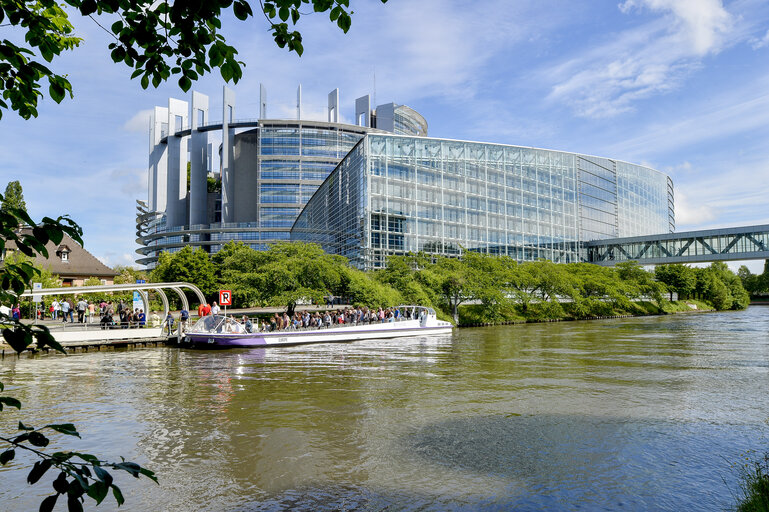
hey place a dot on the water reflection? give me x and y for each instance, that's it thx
(634, 413)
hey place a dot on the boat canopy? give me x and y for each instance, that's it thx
(218, 324)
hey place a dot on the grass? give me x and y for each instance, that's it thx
(754, 486)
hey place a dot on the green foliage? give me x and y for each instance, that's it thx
(754, 484)
(192, 266)
(128, 275)
(158, 41)
(14, 196)
(79, 474)
(678, 278)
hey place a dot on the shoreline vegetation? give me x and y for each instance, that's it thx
(476, 289)
(473, 290)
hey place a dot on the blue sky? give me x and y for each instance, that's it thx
(679, 85)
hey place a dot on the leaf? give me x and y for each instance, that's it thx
(88, 7)
(86, 457)
(61, 484)
(38, 470)
(10, 402)
(38, 439)
(18, 339)
(47, 504)
(118, 495)
(22, 426)
(103, 475)
(73, 504)
(7, 456)
(98, 491)
(64, 428)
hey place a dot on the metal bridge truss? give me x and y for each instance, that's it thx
(740, 243)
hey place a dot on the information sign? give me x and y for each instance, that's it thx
(37, 286)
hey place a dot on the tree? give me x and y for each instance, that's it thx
(455, 283)
(192, 266)
(157, 40)
(79, 474)
(678, 278)
(14, 197)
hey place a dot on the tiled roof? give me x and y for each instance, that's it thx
(80, 263)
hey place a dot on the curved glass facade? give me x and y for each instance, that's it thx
(278, 166)
(393, 195)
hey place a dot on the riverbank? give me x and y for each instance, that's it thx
(478, 315)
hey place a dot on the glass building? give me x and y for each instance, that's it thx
(267, 171)
(394, 195)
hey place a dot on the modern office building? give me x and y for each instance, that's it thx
(380, 187)
(246, 179)
(395, 194)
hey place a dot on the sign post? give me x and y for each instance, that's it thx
(225, 299)
(37, 298)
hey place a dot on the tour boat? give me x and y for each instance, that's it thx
(219, 331)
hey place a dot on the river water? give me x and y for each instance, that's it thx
(632, 414)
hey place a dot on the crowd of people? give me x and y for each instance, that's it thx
(318, 319)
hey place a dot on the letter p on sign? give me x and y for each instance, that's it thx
(225, 298)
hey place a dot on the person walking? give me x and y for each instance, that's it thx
(56, 308)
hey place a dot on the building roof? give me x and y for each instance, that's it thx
(78, 263)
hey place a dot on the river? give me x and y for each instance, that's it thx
(638, 414)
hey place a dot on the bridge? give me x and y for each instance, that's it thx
(728, 244)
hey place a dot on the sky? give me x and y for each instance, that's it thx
(679, 85)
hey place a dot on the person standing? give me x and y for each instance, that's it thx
(81, 307)
(56, 308)
(206, 310)
(201, 310)
(154, 319)
(64, 310)
(142, 318)
(184, 316)
(169, 322)
(91, 311)
(215, 309)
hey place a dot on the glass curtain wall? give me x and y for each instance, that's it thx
(394, 195)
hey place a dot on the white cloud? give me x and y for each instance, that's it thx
(112, 259)
(140, 122)
(734, 112)
(758, 43)
(651, 59)
(688, 214)
(702, 22)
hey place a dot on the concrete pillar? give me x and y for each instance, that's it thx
(228, 164)
(363, 111)
(299, 103)
(176, 188)
(158, 161)
(385, 117)
(333, 106)
(262, 102)
(198, 160)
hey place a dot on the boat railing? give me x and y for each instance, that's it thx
(336, 325)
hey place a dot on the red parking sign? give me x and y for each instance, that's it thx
(225, 298)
